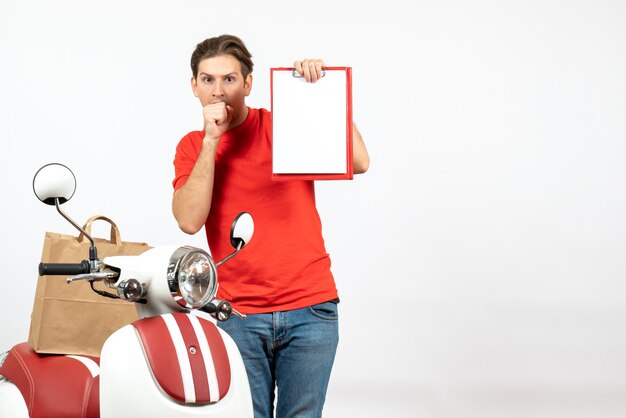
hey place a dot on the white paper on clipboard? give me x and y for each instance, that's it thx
(309, 123)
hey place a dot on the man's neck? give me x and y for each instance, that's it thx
(240, 118)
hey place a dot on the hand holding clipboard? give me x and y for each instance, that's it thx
(312, 124)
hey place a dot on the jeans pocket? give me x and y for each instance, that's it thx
(327, 311)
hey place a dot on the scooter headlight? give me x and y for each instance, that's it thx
(191, 275)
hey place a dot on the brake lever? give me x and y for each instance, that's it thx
(92, 277)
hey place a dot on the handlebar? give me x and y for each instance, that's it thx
(63, 269)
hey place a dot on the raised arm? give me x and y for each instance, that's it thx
(192, 202)
(360, 157)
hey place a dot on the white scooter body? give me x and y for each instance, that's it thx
(11, 400)
(124, 368)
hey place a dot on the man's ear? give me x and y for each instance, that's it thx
(247, 85)
(194, 86)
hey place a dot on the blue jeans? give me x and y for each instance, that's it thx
(292, 351)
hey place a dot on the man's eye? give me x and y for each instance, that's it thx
(230, 79)
(207, 79)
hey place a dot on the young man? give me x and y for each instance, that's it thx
(282, 279)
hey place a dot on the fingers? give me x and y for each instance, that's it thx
(215, 112)
(310, 69)
(217, 117)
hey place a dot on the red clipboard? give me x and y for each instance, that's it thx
(311, 125)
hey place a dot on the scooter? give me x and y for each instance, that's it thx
(172, 362)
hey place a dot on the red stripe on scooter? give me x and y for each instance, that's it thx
(219, 354)
(161, 354)
(198, 368)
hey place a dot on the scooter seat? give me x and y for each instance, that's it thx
(54, 385)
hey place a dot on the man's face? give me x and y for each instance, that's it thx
(220, 80)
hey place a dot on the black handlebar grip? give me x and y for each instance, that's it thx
(62, 269)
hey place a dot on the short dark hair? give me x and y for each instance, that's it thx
(222, 45)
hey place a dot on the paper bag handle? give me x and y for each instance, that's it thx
(115, 232)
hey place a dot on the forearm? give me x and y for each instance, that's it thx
(192, 202)
(360, 157)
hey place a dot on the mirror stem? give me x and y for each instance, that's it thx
(93, 255)
(228, 257)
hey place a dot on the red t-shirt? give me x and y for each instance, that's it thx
(285, 266)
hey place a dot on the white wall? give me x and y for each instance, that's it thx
(480, 261)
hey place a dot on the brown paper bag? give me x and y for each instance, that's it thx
(71, 318)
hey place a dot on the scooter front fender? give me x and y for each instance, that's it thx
(128, 387)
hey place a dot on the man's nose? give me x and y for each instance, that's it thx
(218, 89)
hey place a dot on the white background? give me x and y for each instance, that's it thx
(482, 259)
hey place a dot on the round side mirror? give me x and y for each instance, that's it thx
(242, 230)
(54, 181)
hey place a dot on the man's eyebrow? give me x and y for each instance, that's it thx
(226, 75)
